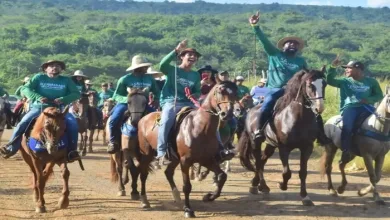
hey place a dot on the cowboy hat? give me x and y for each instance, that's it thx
(62, 64)
(154, 73)
(88, 82)
(240, 78)
(301, 43)
(79, 73)
(207, 68)
(137, 62)
(263, 81)
(26, 79)
(187, 50)
(354, 64)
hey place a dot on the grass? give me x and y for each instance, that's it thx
(332, 103)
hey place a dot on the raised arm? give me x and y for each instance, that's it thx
(165, 64)
(269, 48)
(331, 74)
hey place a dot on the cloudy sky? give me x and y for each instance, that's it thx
(353, 3)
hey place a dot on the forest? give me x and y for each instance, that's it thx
(100, 36)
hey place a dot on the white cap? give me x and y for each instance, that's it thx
(263, 80)
(238, 78)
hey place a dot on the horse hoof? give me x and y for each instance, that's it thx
(145, 205)
(63, 203)
(307, 201)
(209, 197)
(264, 189)
(253, 190)
(340, 190)
(134, 196)
(281, 187)
(333, 192)
(121, 193)
(40, 209)
(380, 202)
(189, 214)
(90, 150)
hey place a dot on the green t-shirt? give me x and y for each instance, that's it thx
(281, 67)
(103, 96)
(189, 79)
(42, 86)
(133, 81)
(352, 91)
(242, 91)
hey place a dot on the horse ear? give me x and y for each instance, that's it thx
(217, 79)
(323, 69)
(66, 110)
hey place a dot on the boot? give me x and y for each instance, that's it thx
(73, 156)
(112, 147)
(5, 153)
(346, 157)
(322, 139)
(163, 160)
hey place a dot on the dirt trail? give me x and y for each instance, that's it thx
(93, 196)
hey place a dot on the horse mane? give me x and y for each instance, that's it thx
(39, 124)
(295, 85)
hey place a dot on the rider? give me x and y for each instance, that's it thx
(358, 94)
(18, 94)
(7, 108)
(242, 90)
(111, 87)
(136, 79)
(45, 90)
(90, 91)
(284, 62)
(185, 77)
(104, 95)
(259, 91)
(79, 78)
(208, 80)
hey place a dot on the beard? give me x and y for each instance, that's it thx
(291, 51)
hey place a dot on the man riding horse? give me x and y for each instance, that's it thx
(284, 62)
(21, 101)
(174, 98)
(137, 79)
(7, 108)
(47, 89)
(99, 113)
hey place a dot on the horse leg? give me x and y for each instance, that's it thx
(227, 167)
(341, 188)
(119, 171)
(134, 171)
(97, 135)
(104, 135)
(63, 203)
(29, 162)
(40, 204)
(85, 140)
(330, 153)
(81, 141)
(220, 182)
(284, 154)
(305, 155)
(187, 187)
(169, 172)
(91, 132)
(268, 152)
(144, 175)
(374, 178)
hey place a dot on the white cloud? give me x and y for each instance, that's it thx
(315, 3)
(378, 3)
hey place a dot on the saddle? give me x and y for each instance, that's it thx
(358, 122)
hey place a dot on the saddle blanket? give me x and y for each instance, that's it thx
(39, 147)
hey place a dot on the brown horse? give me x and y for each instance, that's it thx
(82, 106)
(107, 107)
(48, 129)
(194, 141)
(294, 126)
(92, 119)
(122, 161)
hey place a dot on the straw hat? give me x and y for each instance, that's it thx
(286, 39)
(183, 52)
(88, 82)
(137, 62)
(79, 73)
(26, 79)
(263, 80)
(240, 78)
(154, 73)
(62, 64)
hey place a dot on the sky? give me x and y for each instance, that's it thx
(352, 3)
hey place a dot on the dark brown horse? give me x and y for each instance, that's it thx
(122, 161)
(48, 129)
(81, 113)
(294, 126)
(194, 141)
(92, 119)
(107, 107)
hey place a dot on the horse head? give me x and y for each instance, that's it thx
(243, 104)
(108, 104)
(83, 104)
(92, 100)
(136, 104)
(49, 128)
(221, 99)
(315, 88)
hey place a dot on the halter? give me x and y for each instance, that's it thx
(218, 103)
(307, 98)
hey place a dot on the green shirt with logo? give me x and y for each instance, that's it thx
(281, 67)
(189, 79)
(42, 86)
(146, 82)
(352, 91)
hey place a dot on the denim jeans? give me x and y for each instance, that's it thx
(268, 105)
(71, 124)
(168, 116)
(349, 117)
(116, 117)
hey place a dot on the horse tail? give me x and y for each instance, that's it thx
(245, 149)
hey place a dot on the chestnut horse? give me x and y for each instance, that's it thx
(48, 129)
(294, 126)
(108, 105)
(194, 141)
(82, 120)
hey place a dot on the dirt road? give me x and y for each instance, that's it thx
(93, 196)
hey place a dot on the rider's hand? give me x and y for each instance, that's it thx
(336, 62)
(181, 46)
(43, 100)
(58, 101)
(254, 18)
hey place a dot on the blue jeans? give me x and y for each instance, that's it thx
(349, 117)
(268, 105)
(116, 117)
(168, 117)
(71, 124)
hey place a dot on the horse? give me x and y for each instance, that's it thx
(372, 143)
(2, 116)
(48, 130)
(82, 120)
(294, 126)
(193, 140)
(240, 111)
(121, 162)
(108, 105)
(92, 119)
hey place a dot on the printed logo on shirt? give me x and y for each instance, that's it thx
(140, 85)
(360, 88)
(185, 82)
(52, 86)
(288, 66)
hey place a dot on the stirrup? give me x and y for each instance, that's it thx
(73, 156)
